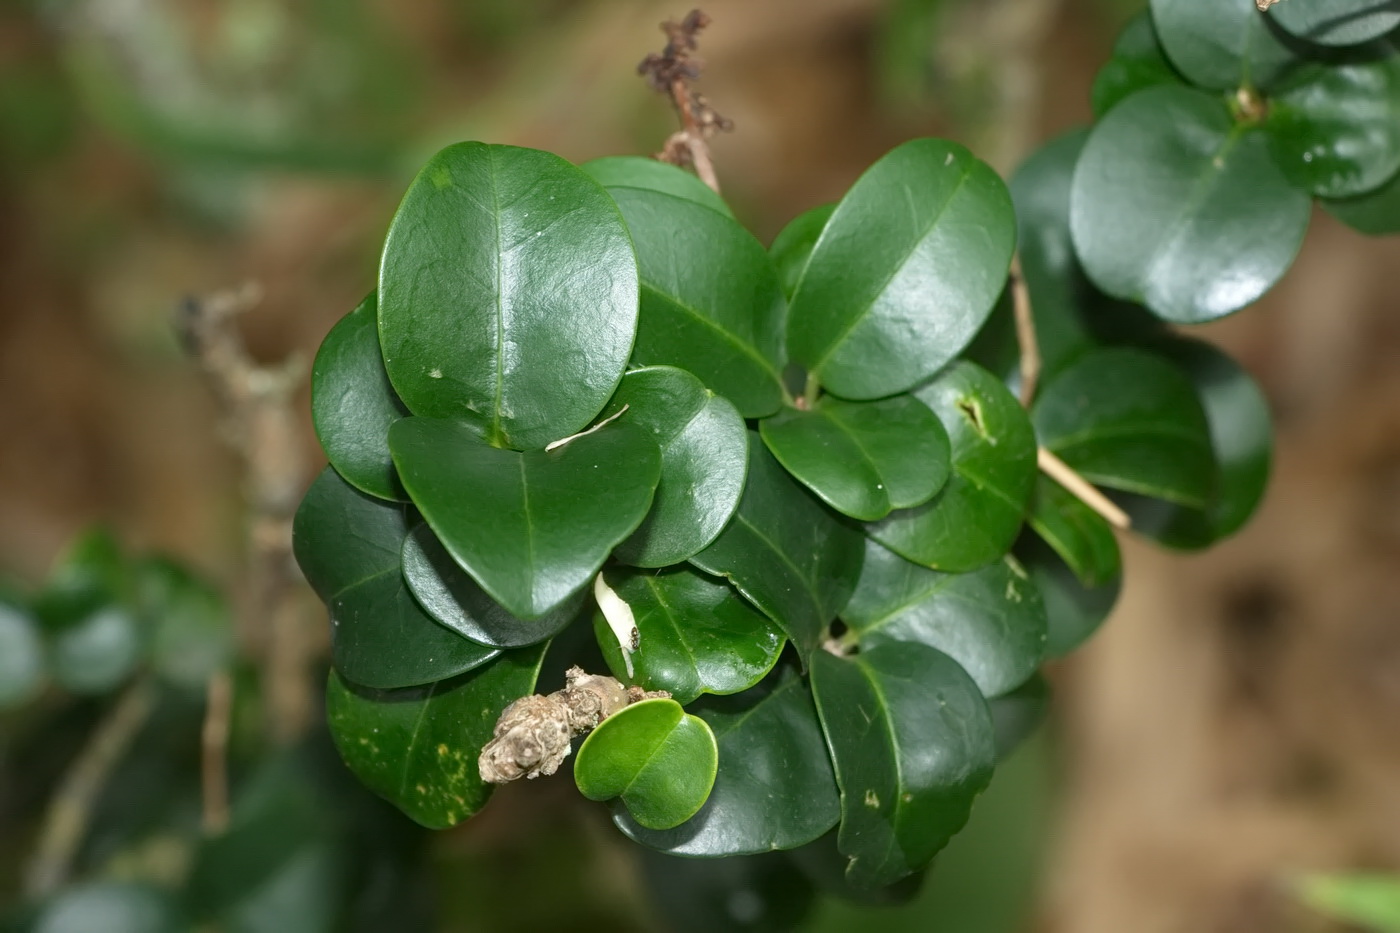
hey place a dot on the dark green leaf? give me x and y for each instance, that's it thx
(349, 547)
(97, 653)
(452, 597)
(1016, 715)
(785, 553)
(824, 865)
(1138, 62)
(905, 272)
(112, 907)
(1073, 611)
(704, 458)
(1375, 213)
(654, 175)
(711, 303)
(1129, 420)
(21, 657)
(353, 404)
(863, 458)
(1337, 22)
(1211, 227)
(695, 635)
(991, 621)
(532, 528)
(89, 576)
(912, 741)
(1224, 44)
(775, 788)
(1082, 538)
(418, 747)
(974, 518)
(792, 247)
(507, 294)
(660, 760)
(191, 628)
(746, 894)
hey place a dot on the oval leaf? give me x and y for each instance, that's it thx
(711, 303)
(1082, 538)
(906, 270)
(1208, 230)
(1074, 610)
(991, 621)
(1337, 22)
(657, 758)
(353, 404)
(418, 747)
(349, 545)
(1138, 62)
(695, 635)
(1375, 213)
(774, 789)
(785, 553)
(792, 247)
(912, 741)
(21, 658)
(863, 458)
(654, 175)
(704, 458)
(1223, 44)
(532, 528)
(97, 653)
(507, 294)
(974, 519)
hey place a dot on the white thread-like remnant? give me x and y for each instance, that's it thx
(555, 445)
(620, 619)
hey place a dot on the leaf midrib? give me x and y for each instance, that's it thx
(413, 739)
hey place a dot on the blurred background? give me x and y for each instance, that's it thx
(1235, 725)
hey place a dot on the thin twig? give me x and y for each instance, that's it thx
(70, 809)
(214, 752)
(1062, 473)
(1025, 334)
(670, 73)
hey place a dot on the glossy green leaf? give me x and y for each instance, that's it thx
(1337, 133)
(1370, 901)
(1016, 715)
(112, 907)
(792, 247)
(97, 653)
(974, 518)
(1129, 420)
(704, 458)
(353, 404)
(785, 552)
(449, 594)
(654, 175)
(1224, 44)
(991, 621)
(695, 634)
(1375, 213)
(418, 747)
(660, 760)
(775, 788)
(190, 625)
(863, 458)
(507, 294)
(532, 528)
(1073, 610)
(21, 657)
(905, 272)
(1138, 62)
(1211, 227)
(1082, 538)
(349, 547)
(1337, 22)
(711, 303)
(912, 741)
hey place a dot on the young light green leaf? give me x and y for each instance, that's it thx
(21, 657)
(353, 404)
(532, 528)
(792, 247)
(1337, 22)
(349, 547)
(1073, 610)
(905, 272)
(974, 518)
(654, 175)
(507, 294)
(863, 458)
(1138, 62)
(1224, 44)
(660, 760)
(1369, 900)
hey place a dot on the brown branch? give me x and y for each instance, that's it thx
(671, 73)
(214, 752)
(1062, 473)
(1025, 334)
(1264, 5)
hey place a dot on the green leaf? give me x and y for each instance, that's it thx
(654, 175)
(418, 747)
(353, 404)
(1082, 538)
(785, 553)
(695, 635)
(905, 272)
(507, 294)
(912, 741)
(532, 528)
(1375, 213)
(1211, 227)
(660, 760)
(1016, 715)
(704, 458)
(112, 907)
(449, 594)
(349, 547)
(1073, 610)
(1129, 420)
(97, 653)
(792, 247)
(974, 518)
(863, 458)
(1337, 22)
(822, 863)
(775, 788)
(711, 303)
(191, 628)
(1224, 44)
(1138, 62)
(991, 621)
(90, 575)
(1337, 133)
(1371, 901)
(21, 657)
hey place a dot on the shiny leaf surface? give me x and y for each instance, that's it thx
(1138, 62)
(1082, 538)
(792, 247)
(654, 175)
(1337, 22)
(1224, 44)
